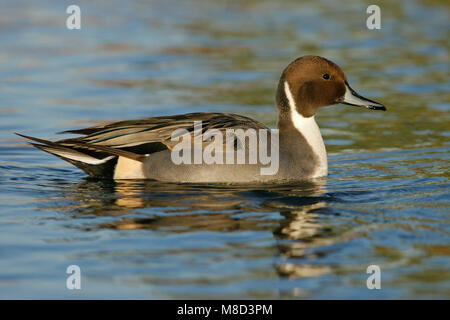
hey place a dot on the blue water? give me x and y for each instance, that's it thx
(385, 201)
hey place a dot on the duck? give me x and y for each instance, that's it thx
(144, 148)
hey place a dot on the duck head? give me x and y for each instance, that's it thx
(311, 82)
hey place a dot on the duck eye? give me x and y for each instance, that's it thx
(326, 76)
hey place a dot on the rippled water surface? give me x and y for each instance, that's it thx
(385, 202)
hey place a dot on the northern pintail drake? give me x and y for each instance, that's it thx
(144, 148)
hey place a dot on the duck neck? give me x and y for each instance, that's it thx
(300, 136)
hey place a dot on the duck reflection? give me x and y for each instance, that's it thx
(289, 211)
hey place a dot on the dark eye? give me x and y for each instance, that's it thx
(326, 76)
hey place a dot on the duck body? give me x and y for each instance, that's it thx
(149, 148)
(291, 165)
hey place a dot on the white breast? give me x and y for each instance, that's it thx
(310, 131)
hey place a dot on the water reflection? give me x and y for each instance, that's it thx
(290, 212)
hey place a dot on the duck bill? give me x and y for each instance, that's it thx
(352, 98)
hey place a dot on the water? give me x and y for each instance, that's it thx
(385, 201)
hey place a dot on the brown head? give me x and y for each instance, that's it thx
(311, 82)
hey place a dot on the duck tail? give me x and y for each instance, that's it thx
(96, 161)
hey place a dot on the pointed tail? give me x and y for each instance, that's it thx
(96, 161)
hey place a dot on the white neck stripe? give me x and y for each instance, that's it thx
(310, 131)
